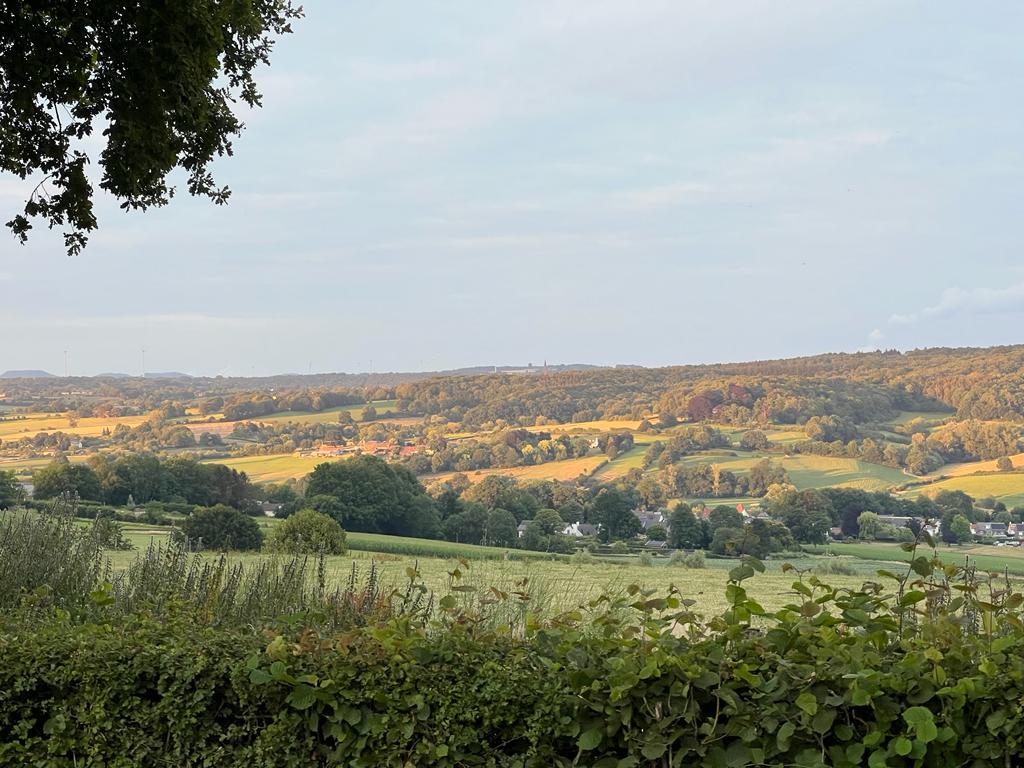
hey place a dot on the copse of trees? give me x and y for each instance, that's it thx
(220, 528)
(143, 478)
(365, 493)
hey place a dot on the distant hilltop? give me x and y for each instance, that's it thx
(26, 375)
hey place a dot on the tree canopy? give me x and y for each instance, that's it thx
(159, 80)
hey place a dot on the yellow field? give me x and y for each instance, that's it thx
(33, 424)
(970, 467)
(806, 471)
(569, 469)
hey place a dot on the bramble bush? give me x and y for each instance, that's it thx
(921, 668)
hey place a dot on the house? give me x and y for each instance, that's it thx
(408, 450)
(647, 519)
(270, 508)
(656, 544)
(328, 449)
(522, 528)
(376, 447)
(579, 530)
(990, 530)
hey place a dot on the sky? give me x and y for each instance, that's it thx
(442, 184)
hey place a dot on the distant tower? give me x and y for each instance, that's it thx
(545, 367)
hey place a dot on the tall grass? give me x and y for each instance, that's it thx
(48, 560)
(167, 578)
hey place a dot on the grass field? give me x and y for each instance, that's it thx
(275, 468)
(27, 466)
(329, 416)
(1007, 487)
(553, 585)
(620, 465)
(13, 427)
(986, 558)
(569, 469)
(806, 471)
(906, 416)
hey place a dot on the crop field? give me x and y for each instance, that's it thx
(14, 426)
(569, 469)
(1007, 487)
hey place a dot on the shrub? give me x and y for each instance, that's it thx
(620, 548)
(694, 559)
(108, 533)
(308, 532)
(222, 528)
(915, 673)
(646, 559)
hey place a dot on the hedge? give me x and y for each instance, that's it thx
(927, 673)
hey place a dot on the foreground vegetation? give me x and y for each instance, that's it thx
(192, 661)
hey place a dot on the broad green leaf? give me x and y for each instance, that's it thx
(808, 703)
(590, 739)
(901, 745)
(922, 721)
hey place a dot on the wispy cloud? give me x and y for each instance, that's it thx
(183, 320)
(661, 196)
(975, 301)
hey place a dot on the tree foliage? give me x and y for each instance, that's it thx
(159, 80)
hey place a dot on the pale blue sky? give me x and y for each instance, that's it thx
(433, 185)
